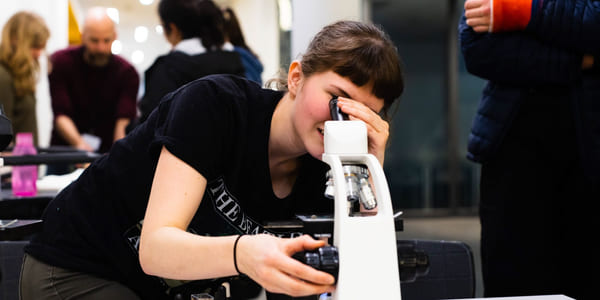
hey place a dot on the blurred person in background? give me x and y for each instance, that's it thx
(195, 30)
(94, 92)
(537, 136)
(24, 38)
(233, 31)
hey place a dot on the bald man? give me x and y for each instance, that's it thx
(93, 91)
(98, 35)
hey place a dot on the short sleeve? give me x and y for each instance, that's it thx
(195, 124)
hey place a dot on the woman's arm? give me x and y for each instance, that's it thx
(120, 126)
(516, 58)
(68, 131)
(167, 250)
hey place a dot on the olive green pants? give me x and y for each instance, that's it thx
(42, 281)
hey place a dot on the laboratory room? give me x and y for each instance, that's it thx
(297, 149)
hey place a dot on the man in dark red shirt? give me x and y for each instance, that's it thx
(94, 92)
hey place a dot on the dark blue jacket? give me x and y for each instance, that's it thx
(548, 53)
(252, 66)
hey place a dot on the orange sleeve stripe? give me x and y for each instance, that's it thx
(510, 15)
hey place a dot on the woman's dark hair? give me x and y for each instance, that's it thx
(361, 52)
(358, 51)
(233, 30)
(194, 18)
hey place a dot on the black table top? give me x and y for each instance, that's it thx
(6, 195)
(17, 229)
(23, 207)
(50, 158)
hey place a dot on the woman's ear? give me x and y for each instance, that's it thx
(294, 78)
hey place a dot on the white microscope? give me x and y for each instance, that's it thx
(366, 241)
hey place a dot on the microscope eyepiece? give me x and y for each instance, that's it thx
(335, 111)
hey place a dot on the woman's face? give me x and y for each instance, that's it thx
(312, 105)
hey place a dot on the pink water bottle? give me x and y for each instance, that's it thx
(24, 177)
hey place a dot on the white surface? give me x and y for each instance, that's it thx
(309, 16)
(57, 182)
(345, 137)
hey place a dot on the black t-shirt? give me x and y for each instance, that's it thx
(220, 126)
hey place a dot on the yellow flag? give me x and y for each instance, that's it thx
(74, 32)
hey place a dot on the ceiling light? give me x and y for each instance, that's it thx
(137, 57)
(140, 34)
(113, 13)
(116, 47)
(285, 15)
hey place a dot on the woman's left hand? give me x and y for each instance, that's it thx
(378, 129)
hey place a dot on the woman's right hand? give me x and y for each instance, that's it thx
(267, 260)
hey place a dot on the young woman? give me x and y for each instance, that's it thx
(217, 160)
(24, 38)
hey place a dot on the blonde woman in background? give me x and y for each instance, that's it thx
(24, 38)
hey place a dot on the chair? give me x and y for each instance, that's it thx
(11, 256)
(451, 272)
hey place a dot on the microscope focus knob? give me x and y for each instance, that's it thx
(324, 259)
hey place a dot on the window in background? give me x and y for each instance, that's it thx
(285, 27)
(434, 114)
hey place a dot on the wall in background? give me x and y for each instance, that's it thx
(309, 16)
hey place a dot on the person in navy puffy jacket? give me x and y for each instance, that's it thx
(537, 135)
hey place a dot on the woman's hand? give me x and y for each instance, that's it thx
(267, 260)
(378, 130)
